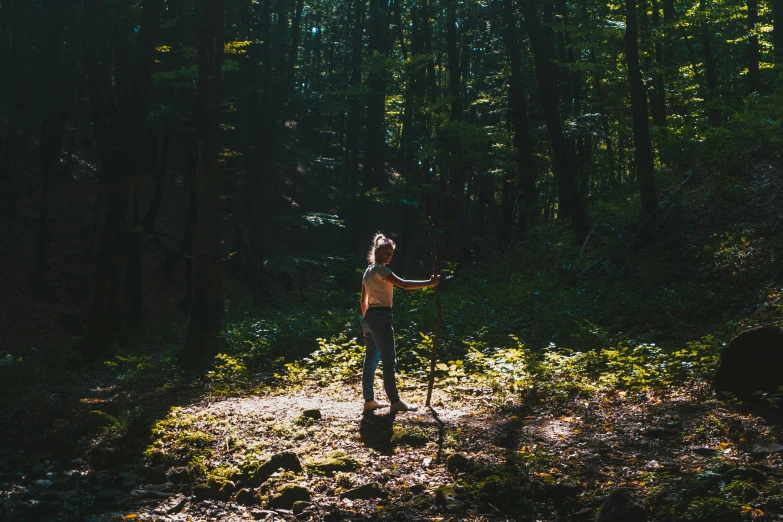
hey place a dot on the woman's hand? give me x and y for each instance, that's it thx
(434, 280)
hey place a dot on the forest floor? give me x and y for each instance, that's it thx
(303, 450)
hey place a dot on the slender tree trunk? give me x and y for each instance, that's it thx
(570, 203)
(455, 166)
(711, 70)
(51, 139)
(659, 89)
(777, 29)
(523, 144)
(354, 125)
(643, 156)
(754, 77)
(16, 89)
(374, 168)
(207, 311)
(163, 166)
(293, 52)
(188, 246)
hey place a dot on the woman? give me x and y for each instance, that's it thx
(377, 291)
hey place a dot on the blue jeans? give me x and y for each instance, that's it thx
(379, 340)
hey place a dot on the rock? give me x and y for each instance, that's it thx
(620, 507)
(747, 474)
(764, 448)
(751, 362)
(126, 479)
(365, 492)
(312, 414)
(172, 505)
(37, 472)
(178, 475)
(564, 491)
(446, 496)
(336, 515)
(155, 476)
(704, 451)
(246, 497)
(335, 461)
(655, 432)
(421, 502)
(49, 496)
(582, 515)
(285, 497)
(417, 488)
(261, 514)
(457, 462)
(107, 496)
(300, 505)
(287, 460)
(203, 491)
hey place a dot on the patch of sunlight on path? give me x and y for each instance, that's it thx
(289, 407)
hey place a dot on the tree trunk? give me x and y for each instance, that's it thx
(754, 78)
(207, 311)
(163, 166)
(16, 89)
(710, 68)
(120, 113)
(51, 139)
(455, 163)
(353, 214)
(523, 144)
(659, 89)
(374, 167)
(570, 203)
(777, 30)
(643, 156)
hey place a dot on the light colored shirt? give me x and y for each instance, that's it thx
(380, 291)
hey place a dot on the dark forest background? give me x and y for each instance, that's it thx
(266, 138)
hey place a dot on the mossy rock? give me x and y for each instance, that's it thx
(457, 462)
(365, 492)
(422, 501)
(747, 474)
(413, 437)
(285, 497)
(257, 472)
(246, 497)
(332, 463)
(501, 491)
(741, 490)
(214, 491)
(450, 497)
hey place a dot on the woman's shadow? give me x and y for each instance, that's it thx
(376, 431)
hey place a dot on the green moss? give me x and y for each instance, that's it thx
(285, 497)
(410, 436)
(332, 463)
(713, 510)
(741, 490)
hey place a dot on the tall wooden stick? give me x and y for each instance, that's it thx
(433, 355)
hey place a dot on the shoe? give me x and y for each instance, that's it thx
(374, 405)
(403, 406)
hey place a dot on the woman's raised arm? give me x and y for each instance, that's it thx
(411, 285)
